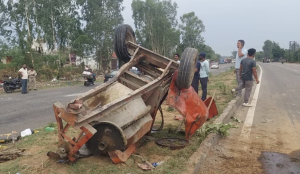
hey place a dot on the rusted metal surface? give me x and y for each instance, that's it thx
(189, 104)
(113, 116)
(119, 156)
(212, 108)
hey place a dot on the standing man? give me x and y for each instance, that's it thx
(246, 70)
(196, 79)
(204, 72)
(240, 55)
(32, 78)
(177, 58)
(24, 75)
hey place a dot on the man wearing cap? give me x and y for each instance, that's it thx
(32, 78)
(204, 72)
(240, 55)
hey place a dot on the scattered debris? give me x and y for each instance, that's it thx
(147, 163)
(222, 129)
(236, 119)
(84, 151)
(144, 166)
(157, 164)
(9, 137)
(172, 143)
(49, 129)
(10, 154)
(26, 132)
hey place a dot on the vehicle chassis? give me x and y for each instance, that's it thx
(84, 115)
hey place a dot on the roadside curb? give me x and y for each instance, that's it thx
(198, 157)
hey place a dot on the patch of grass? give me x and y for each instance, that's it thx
(170, 109)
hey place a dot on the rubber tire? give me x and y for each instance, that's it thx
(186, 68)
(5, 89)
(123, 34)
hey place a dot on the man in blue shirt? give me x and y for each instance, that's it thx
(204, 72)
(240, 55)
(195, 83)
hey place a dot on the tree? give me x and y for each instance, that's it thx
(101, 17)
(191, 29)
(210, 53)
(268, 46)
(259, 55)
(233, 53)
(155, 22)
(277, 52)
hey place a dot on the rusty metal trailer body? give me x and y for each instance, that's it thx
(113, 116)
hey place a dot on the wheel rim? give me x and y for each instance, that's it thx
(6, 89)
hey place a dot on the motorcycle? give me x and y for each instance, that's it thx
(11, 84)
(89, 78)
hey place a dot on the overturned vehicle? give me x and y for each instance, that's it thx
(113, 116)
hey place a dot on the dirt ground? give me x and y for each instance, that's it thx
(270, 134)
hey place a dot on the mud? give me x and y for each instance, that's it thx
(279, 163)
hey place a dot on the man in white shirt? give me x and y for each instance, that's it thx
(24, 75)
(203, 74)
(240, 55)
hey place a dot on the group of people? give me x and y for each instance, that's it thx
(27, 76)
(245, 69)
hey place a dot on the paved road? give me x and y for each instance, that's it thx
(33, 110)
(274, 130)
(222, 68)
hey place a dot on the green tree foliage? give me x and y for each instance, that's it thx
(259, 55)
(268, 46)
(277, 51)
(191, 29)
(155, 22)
(102, 17)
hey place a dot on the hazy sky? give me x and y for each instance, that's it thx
(227, 21)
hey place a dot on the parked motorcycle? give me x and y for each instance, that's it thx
(11, 84)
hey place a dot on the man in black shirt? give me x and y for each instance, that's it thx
(247, 69)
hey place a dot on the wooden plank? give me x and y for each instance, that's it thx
(154, 58)
(129, 82)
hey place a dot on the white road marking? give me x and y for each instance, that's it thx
(250, 115)
(71, 95)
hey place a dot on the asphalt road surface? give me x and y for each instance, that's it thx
(267, 141)
(35, 109)
(222, 68)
